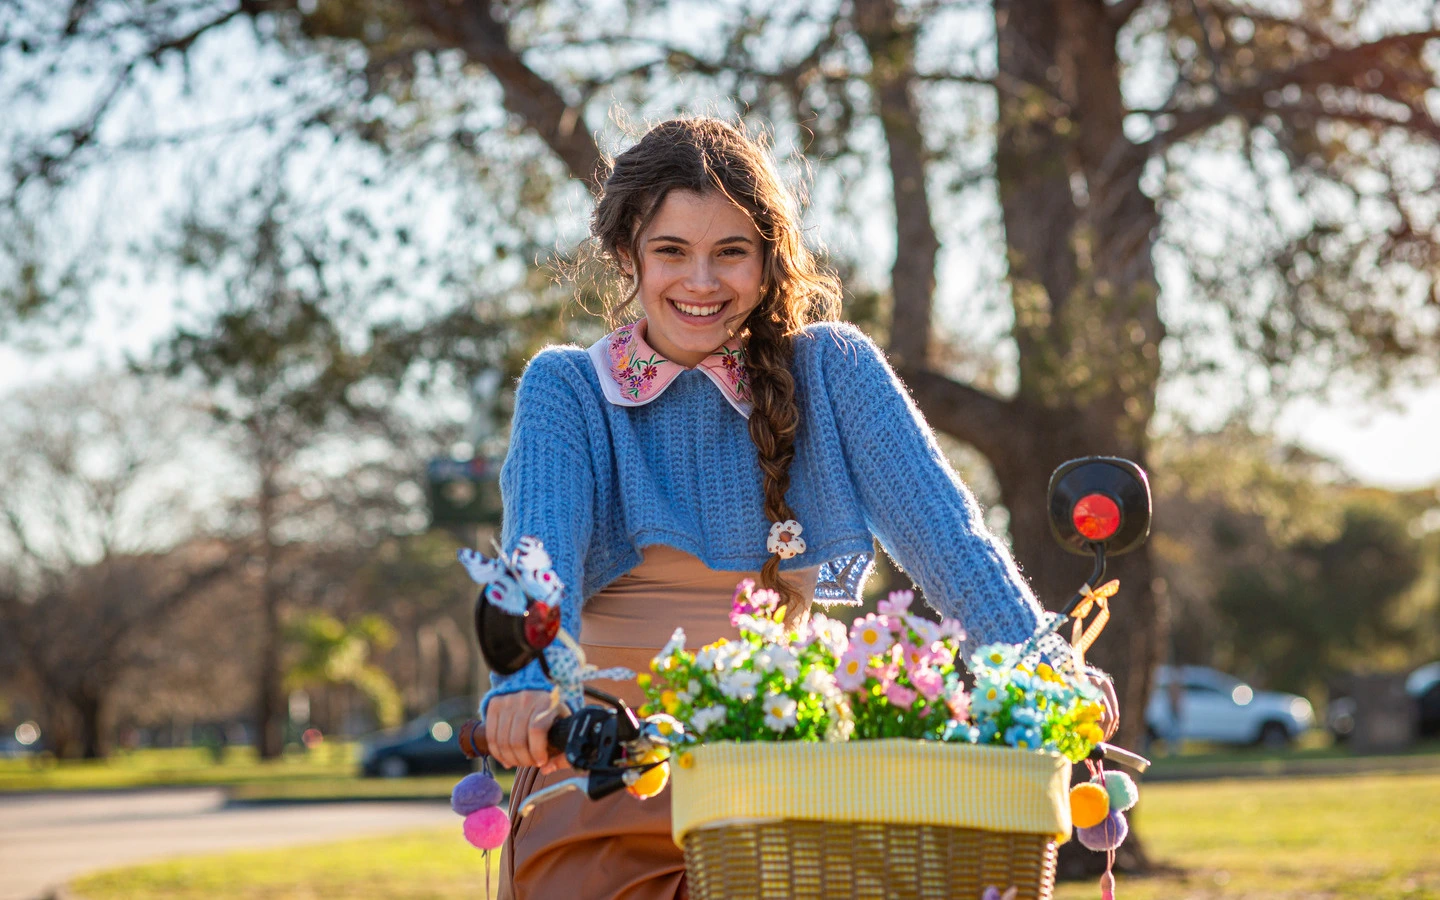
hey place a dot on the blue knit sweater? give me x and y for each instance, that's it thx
(597, 481)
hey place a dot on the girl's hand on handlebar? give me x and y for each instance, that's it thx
(515, 728)
(1110, 718)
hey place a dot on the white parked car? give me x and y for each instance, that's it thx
(1214, 706)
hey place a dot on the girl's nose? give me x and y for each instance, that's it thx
(702, 277)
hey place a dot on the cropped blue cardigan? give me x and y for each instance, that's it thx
(596, 482)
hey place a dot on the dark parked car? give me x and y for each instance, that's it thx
(1421, 685)
(426, 745)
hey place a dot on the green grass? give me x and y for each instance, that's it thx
(176, 767)
(435, 863)
(1362, 836)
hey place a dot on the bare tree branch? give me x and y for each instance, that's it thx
(892, 54)
(471, 26)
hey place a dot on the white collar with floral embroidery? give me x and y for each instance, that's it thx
(632, 373)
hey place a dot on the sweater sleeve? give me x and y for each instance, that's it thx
(547, 487)
(916, 504)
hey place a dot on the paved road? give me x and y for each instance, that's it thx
(47, 839)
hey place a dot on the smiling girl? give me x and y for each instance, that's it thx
(735, 430)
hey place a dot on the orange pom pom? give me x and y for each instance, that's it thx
(1089, 804)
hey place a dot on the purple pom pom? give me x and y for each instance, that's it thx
(475, 792)
(1108, 835)
(487, 828)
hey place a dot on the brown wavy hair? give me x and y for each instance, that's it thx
(705, 155)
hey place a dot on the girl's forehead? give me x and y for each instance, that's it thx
(700, 218)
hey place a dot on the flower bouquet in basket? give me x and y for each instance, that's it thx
(891, 675)
(815, 736)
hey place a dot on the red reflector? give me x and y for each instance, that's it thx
(1096, 517)
(542, 622)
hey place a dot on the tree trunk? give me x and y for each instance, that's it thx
(90, 708)
(270, 711)
(1086, 320)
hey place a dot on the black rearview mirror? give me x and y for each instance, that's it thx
(1099, 500)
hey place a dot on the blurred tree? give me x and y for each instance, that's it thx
(1280, 161)
(1281, 570)
(334, 653)
(1320, 606)
(93, 505)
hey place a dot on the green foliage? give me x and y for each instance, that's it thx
(1319, 605)
(334, 653)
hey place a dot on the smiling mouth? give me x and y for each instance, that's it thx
(696, 311)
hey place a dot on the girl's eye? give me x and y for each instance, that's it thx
(668, 251)
(733, 251)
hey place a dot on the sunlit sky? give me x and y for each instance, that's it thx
(1393, 442)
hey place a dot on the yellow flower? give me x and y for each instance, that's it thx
(669, 701)
(1090, 732)
(654, 665)
(686, 761)
(643, 680)
(1088, 713)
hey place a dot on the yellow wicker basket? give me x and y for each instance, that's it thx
(885, 819)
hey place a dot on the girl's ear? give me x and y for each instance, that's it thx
(627, 265)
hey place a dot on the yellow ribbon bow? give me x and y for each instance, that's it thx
(1080, 640)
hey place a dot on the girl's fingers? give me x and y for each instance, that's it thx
(1110, 719)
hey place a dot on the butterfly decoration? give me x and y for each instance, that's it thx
(524, 582)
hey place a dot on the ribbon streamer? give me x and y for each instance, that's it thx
(1080, 640)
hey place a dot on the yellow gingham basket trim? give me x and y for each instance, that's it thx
(894, 780)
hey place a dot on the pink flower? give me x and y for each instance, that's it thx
(951, 628)
(928, 682)
(941, 654)
(885, 673)
(765, 599)
(899, 695)
(897, 604)
(742, 590)
(850, 673)
(914, 656)
(870, 634)
(959, 703)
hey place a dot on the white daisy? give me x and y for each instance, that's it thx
(739, 685)
(773, 658)
(676, 644)
(779, 711)
(703, 719)
(692, 690)
(731, 655)
(819, 681)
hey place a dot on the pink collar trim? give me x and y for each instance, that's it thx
(632, 373)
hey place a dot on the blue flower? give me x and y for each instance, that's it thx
(1023, 737)
(960, 731)
(1025, 715)
(994, 656)
(989, 696)
(987, 731)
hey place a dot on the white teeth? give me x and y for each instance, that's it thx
(696, 310)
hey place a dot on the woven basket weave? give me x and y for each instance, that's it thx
(878, 820)
(864, 860)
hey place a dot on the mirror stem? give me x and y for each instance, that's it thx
(1099, 550)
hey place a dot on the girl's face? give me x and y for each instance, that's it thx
(701, 264)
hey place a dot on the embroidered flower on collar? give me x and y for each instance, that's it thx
(633, 373)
